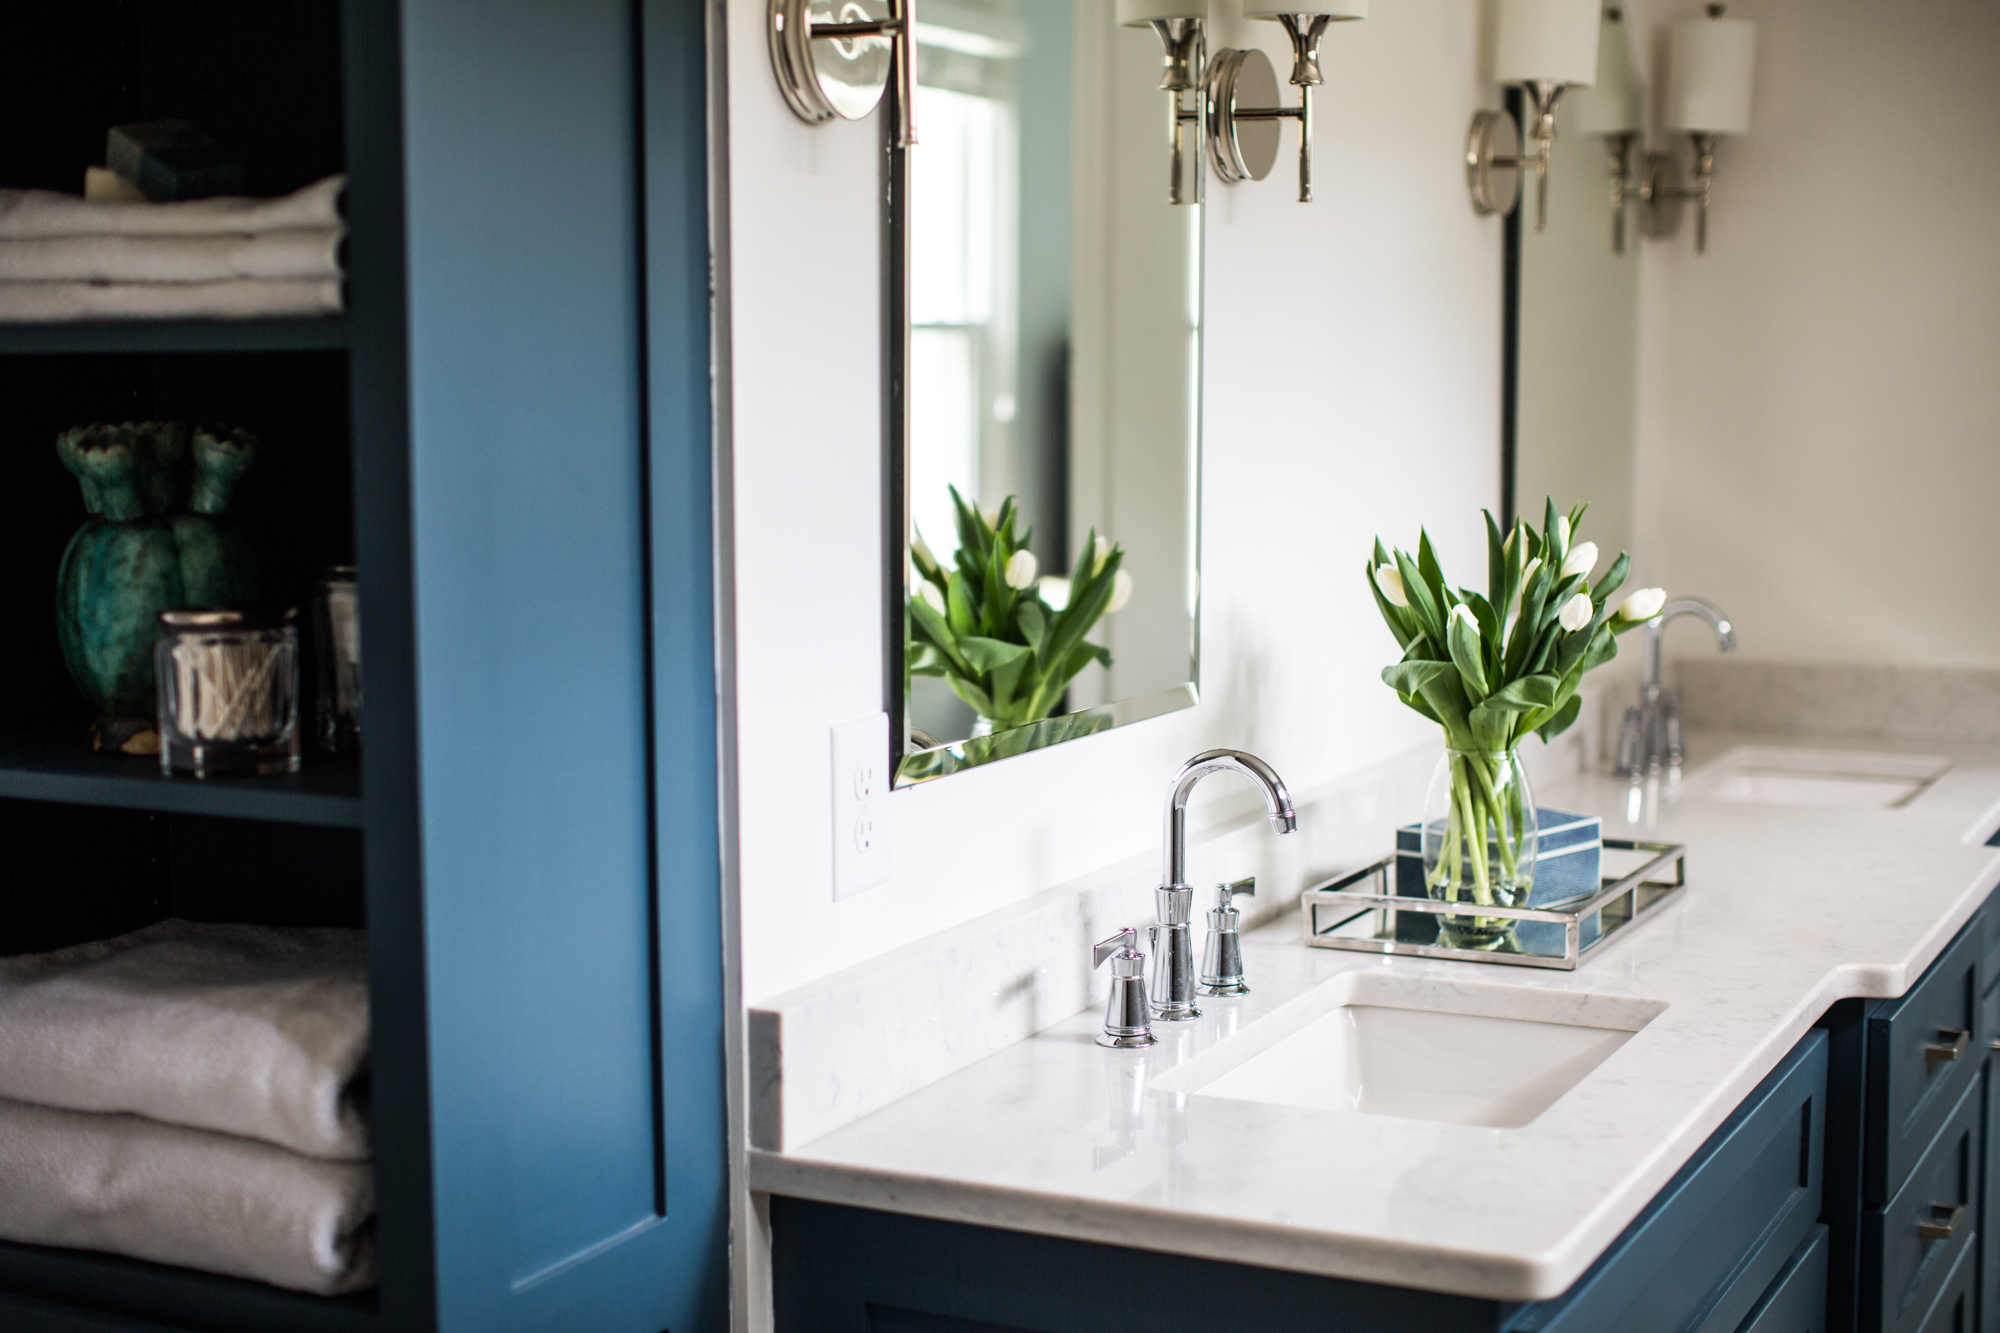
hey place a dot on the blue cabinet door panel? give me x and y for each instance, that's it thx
(536, 728)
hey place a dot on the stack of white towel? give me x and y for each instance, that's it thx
(195, 1095)
(68, 258)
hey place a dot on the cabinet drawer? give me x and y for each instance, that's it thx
(1951, 1312)
(1924, 1051)
(1796, 1302)
(1711, 1242)
(1906, 1255)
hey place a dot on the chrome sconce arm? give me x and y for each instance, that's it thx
(1183, 47)
(840, 65)
(1493, 160)
(1661, 197)
(1243, 108)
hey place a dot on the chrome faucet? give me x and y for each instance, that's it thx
(1173, 980)
(1650, 739)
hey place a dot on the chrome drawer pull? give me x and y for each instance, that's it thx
(1943, 1224)
(1951, 1044)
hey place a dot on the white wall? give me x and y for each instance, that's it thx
(1819, 403)
(1352, 384)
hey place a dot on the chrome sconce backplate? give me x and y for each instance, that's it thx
(1492, 164)
(1242, 143)
(834, 58)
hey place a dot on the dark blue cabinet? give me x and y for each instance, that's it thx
(1711, 1252)
(525, 366)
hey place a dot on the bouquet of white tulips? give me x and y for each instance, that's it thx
(1492, 668)
(1007, 641)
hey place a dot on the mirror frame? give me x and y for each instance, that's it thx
(908, 768)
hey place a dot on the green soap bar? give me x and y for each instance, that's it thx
(171, 159)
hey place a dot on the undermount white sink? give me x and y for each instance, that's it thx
(1454, 1052)
(1819, 779)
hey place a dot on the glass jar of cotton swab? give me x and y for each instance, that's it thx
(228, 692)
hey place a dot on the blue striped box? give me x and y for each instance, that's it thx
(1569, 851)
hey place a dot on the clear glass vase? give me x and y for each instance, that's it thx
(1479, 843)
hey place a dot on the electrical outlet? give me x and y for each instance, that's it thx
(860, 805)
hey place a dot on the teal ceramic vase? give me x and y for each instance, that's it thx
(159, 539)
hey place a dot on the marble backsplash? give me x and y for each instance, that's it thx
(1956, 704)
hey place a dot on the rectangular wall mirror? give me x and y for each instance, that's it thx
(1576, 333)
(1049, 377)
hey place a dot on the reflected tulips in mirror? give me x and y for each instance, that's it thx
(1007, 640)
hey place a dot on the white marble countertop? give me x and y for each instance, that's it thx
(1786, 911)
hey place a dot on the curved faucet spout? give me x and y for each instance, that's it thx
(1656, 628)
(1277, 801)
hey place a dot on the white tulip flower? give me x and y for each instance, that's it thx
(1464, 612)
(1103, 553)
(1121, 593)
(1562, 531)
(1055, 591)
(1528, 574)
(1576, 612)
(1021, 570)
(1390, 580)
(929, 592)
(1581, 560)
(1643, 604)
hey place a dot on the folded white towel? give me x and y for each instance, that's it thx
(236, 298)
(251, 1030)
(182, 1196)
(30, 213)
(296, 252)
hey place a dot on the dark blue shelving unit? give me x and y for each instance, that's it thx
(61, 768)
(516, 450)
(190, 335)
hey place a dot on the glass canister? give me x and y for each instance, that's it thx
(228, 692)
(337, 639)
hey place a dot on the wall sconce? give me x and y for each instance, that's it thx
(1545, 46)
(836, 62)
(1709, 75)
(1243, 110)
(1180, 25)
(1614, 107)
(1236, 93)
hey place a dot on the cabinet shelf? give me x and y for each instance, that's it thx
(62, 768)
(148, 1291)
(176, 335)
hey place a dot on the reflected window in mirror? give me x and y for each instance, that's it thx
(1053, 358)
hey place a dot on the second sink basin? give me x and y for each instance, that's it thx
(1457, 1053)
(1820, 779)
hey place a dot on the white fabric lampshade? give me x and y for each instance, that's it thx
(1138, 13)
(1547, 39)
(1709, 63)
(1333, 9)
(1615, 104)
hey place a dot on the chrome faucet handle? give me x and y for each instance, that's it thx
(1222, 954)
(1125, 1021)
(1225, 894)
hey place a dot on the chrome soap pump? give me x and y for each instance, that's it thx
(1222, 955)
(1125, 1021)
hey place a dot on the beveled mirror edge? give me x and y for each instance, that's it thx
(921, 766)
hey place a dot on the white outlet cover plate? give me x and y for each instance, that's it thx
(860, 805)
